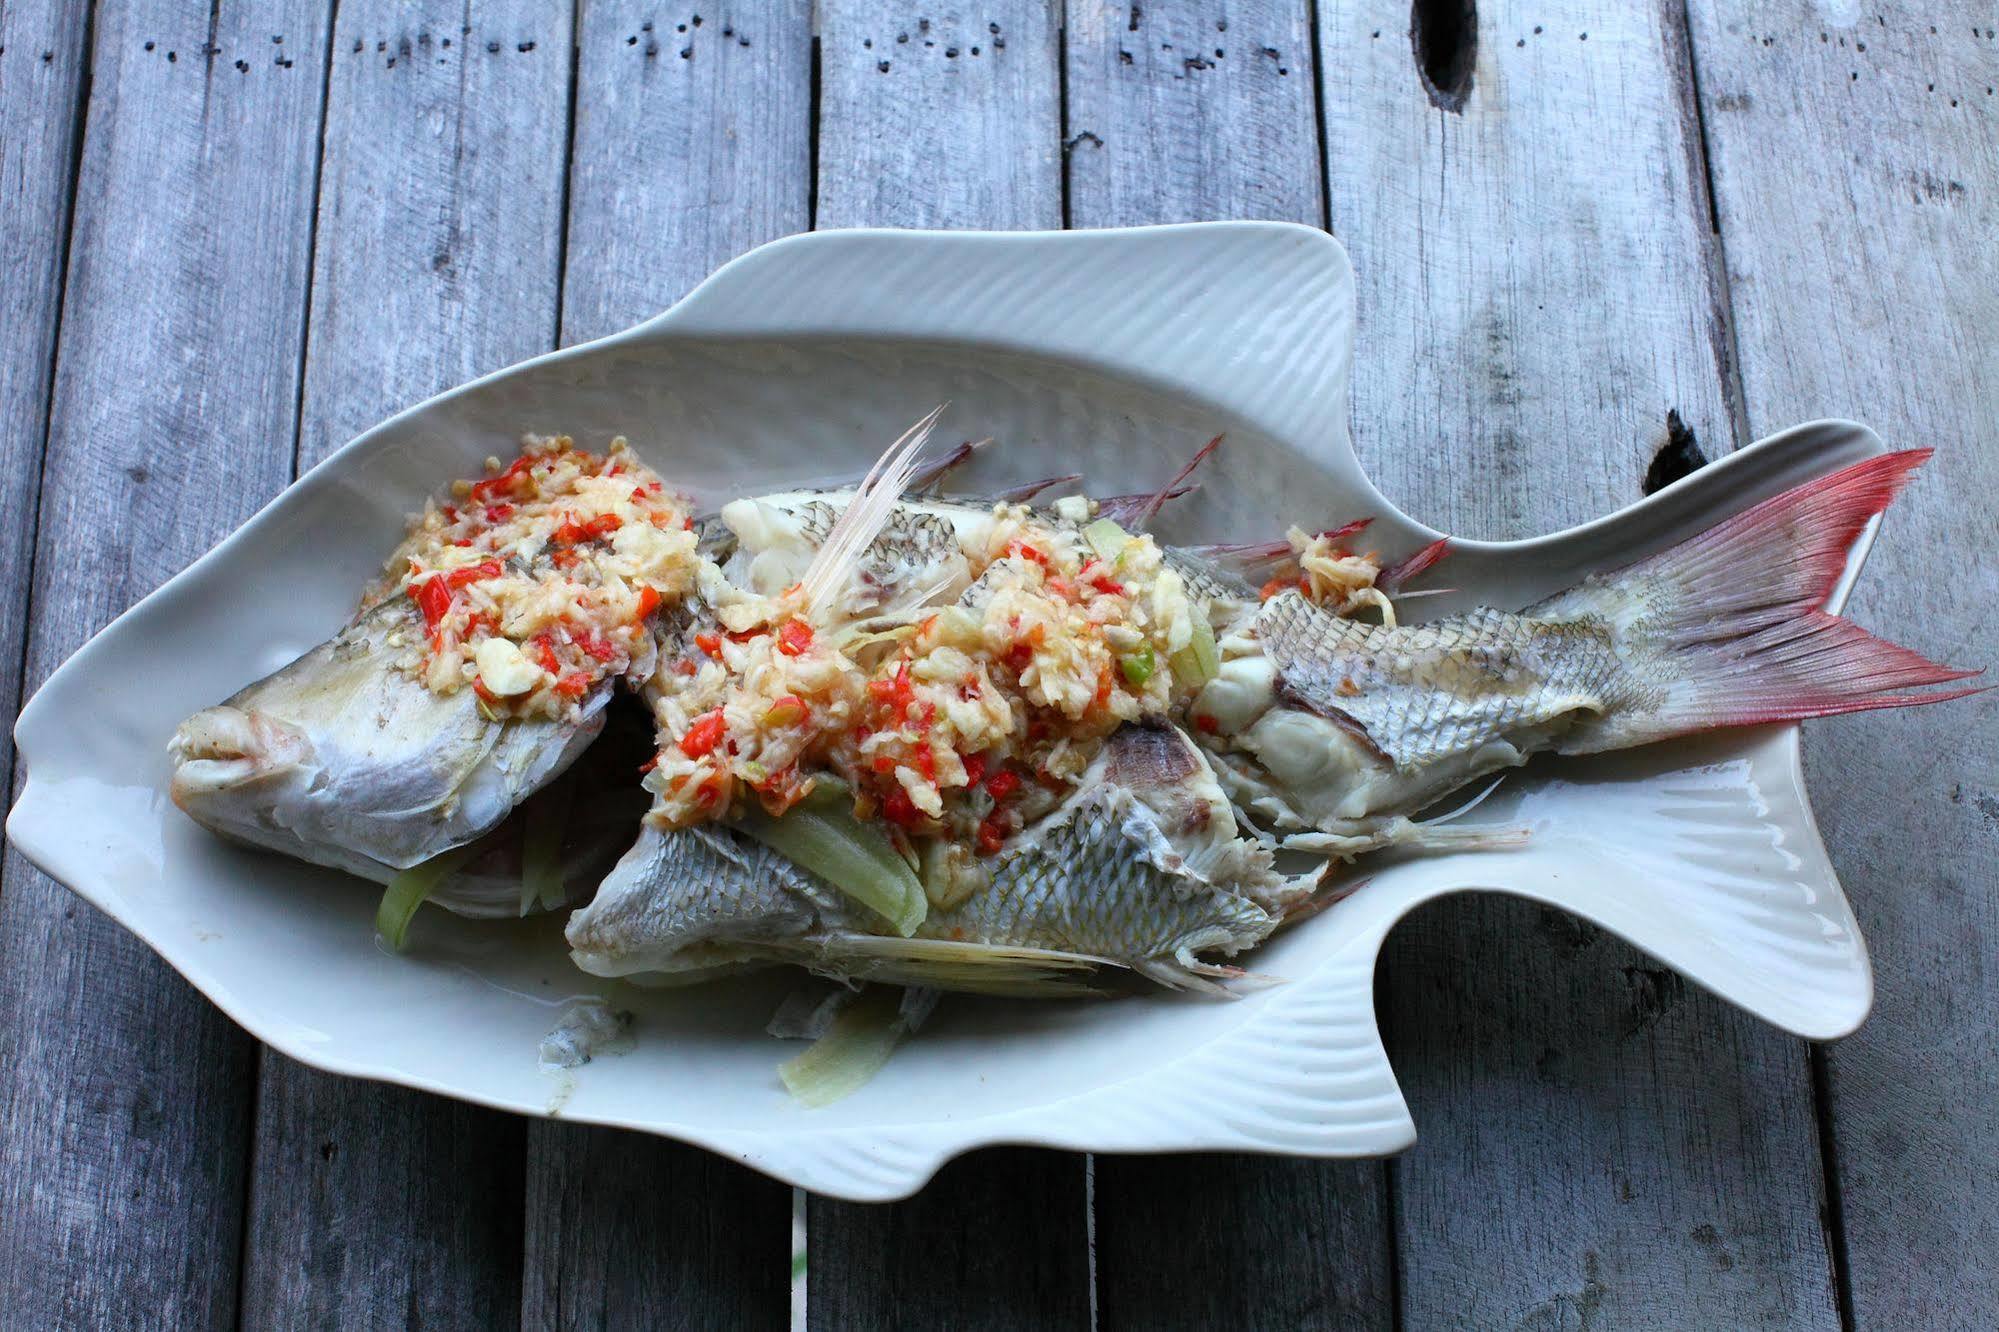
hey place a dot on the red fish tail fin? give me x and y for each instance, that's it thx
(1729, 628)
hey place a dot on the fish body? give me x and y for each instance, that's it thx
(1142, 867)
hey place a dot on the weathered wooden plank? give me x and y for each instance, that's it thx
(630, 1231)
(1191, 113)
(996, 1240)
(953, 118)
(124, 1110)
(1536, 290)
(934, 117)
(41, 89)
(1534, 270)
(1207, 1241)
(1855, 156)
(1182, 115)
(436, 259)
(692, 144)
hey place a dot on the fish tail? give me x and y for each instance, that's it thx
(1729, 628)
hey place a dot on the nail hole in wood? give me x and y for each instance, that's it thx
(1445, 36)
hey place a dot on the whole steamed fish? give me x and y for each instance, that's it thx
(1307, 728)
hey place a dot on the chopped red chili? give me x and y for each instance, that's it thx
(473, 573)
(1203, 722)
(433, 598)
(899, 809)
(1002, 784)
(544, 653)
(649, 600)
(704, 734)
(793, 637)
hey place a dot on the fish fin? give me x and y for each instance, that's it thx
(1391, 578)
(948, 964)
(1215, 980)
(1731, 630)
(929, 476)
(1125, 510)
(1027, 490)
(1152, 505)
(862, 520)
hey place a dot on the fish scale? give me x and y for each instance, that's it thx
(1084, 889)
(1429, 692)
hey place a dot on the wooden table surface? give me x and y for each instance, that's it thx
(234, 235)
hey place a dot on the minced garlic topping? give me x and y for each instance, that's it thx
(536, 583)
(960, 721)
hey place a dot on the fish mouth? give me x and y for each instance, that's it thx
(224, 749)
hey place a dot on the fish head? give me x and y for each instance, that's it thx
(222, 750)
(344, 758)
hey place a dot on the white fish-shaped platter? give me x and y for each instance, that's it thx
(1108, 353)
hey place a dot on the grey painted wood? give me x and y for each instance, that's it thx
(1535, 270)
(373, 1205)
(1856, 175)
(1537, 287)
(998, 1238)
(938, 117)
(693, 143)
(1602, 1143)
(124, 1098)
(1191, 113)
(625, 1230)
(41, 89)
(1208, 1241)
(1187, 114)
(680, 162)
(438, 253)
(436, 259)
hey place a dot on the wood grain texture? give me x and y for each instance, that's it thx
(1186, 114)
(1603, 1144)
(1535, 269)
(938, 116)
(1856, 175)
(438, 253)
(124, 1097)
(373, 1205)
(1207, 1241)
(625, 1230)
(693, 143)
(41, 90)
(1191, 113)
(999, 1238)
(680, 163)
(435, 259)
(1537, 286)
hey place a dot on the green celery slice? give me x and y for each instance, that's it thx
(1200, 661)
(547, 818)
(821, 834)
(1107, 539)
(407, 891)
(861, 1038)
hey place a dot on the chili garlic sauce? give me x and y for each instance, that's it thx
(536, 583)
(960, 684)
